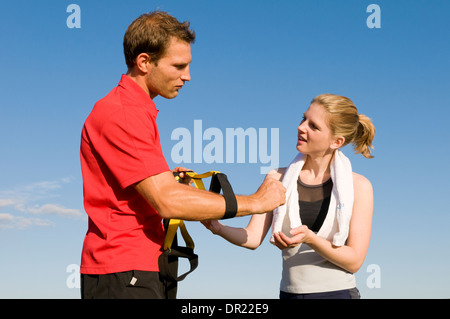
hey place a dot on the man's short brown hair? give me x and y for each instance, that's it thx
(150, 33)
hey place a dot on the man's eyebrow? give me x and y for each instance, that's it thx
(182, 62)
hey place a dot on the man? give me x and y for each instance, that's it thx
(128, 187)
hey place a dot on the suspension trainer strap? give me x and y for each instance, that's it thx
(168, 261)
(220, 181)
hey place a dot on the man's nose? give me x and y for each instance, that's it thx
(186, 75)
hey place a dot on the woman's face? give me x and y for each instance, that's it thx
(314, 135)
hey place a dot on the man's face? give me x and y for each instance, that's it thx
(171, 71)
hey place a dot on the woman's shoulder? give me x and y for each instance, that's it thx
(361, 182)
(277, 173)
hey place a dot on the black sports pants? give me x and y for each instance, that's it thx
(132, 284)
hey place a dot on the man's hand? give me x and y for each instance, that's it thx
(269, 195)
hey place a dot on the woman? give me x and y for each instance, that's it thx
(323, 241)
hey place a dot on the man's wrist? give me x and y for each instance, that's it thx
(246, 205)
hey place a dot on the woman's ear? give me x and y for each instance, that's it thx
(337, 143)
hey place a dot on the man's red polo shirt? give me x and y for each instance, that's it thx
(120, 146)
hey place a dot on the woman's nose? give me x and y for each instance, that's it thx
(300, 127)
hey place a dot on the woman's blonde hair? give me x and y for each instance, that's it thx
(345, 121)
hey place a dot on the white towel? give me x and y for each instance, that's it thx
(287, 216)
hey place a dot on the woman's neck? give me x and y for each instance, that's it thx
(316, 169)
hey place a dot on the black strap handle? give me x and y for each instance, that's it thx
(219, 182)
(169, 272)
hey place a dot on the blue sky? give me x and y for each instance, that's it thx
(256, 64)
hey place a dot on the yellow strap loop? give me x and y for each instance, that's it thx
(171, 231)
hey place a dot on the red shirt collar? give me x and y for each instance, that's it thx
(136, 93)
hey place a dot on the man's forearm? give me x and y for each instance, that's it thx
(175, 200)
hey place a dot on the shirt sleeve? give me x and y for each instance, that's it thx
(131, 147)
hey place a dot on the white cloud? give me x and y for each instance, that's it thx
(6, 218)
(4, 202)
(8, 221)
(50, 209)
(37, 198)
(34, 191)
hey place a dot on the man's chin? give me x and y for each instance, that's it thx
(170, 96)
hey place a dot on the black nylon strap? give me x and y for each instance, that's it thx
(220, 181)
(168, 256)
(168, 265)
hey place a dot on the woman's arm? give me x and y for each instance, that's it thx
(351, 256)
(251, 236)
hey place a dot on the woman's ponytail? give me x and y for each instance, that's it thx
(364, 136)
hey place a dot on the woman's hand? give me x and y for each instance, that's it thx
(299, 235)
(213, 225)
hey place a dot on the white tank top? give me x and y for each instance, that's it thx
(305, 271)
